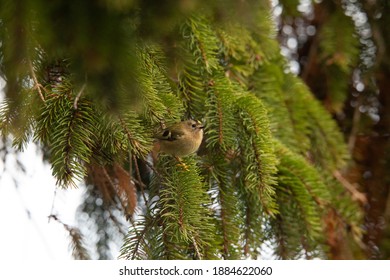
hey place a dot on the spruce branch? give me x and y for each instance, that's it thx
(70, 136)
(258, 151)
(139, 139)
(202, 41)
(139, 238)
(183, 206)
(268, 172)
(79, 251)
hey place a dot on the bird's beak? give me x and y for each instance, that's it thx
(199, 125)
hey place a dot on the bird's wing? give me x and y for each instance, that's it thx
(170, 135)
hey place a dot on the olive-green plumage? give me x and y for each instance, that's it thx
(180, 139)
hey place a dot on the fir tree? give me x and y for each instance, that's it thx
(91, 82)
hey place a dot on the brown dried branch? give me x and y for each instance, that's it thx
(79, 252)
(115, 182)
(356, 195)
(126, 190)
(98, 176)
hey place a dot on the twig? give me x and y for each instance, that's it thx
(151, 166)
(130, 164)
(52, 204)
(138, 174)
(361, 197)
(112, 184)
(387, 209)
(140, 238)
(311, 58)
(355, 125)
(117, 223)
(196, 248)
(76, 100)
(37, 85)
(134, 159)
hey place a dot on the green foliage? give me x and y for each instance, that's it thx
(240, 52)
(290, 7)
(158, 99)
(302, 197)
(198, 61)
(262, 173)
(182, 223)
(69, 132)
(18, 119)
(139, 140)
(310, 131)
(221, 127)
(339, 54)
(257, 154)
(287, 114)
(184, 209)
(225, 205)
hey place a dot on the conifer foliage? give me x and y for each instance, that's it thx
(92, 82)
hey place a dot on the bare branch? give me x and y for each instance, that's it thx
(76, 100)
(37, 85)
(361, 197)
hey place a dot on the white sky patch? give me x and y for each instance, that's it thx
(26, 201)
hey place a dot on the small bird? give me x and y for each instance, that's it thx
(180, 139)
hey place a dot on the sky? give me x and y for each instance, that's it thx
(26, 232)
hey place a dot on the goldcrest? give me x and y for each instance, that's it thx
(180, 139)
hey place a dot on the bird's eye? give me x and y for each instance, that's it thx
(193, 125)
(166, 133)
